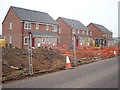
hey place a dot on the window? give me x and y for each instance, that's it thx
(10, 39)
(10, 26)
(49, 41)
(26, 40)
(27, 25)
(59, 40)
(59, 30)
(78, 31)
(4, 37)
(91, 33)
(47, 27)
(73, 31)
(83, 32)
(54, 28)
(37, 26)
(86, 32)
(43, 40)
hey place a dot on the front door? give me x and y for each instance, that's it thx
(33, 42)
(77, 42)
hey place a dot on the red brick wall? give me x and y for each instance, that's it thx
(41, 28)
(96, 33)
(16, 28)
(65, 35)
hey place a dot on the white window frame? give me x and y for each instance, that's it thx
(78, 31)
(4, 37)
(10, 39)
(87, 32)
(54, 28)
(26, 43)
(91, 33)
(73, 31)
(27, 25)
(49, 40)
(83, 32)
(47, 27)
(59, 30)
(10, 26)
(44, 40)
(37, 26)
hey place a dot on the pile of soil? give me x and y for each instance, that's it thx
(42, 59)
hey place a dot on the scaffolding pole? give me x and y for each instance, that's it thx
(30, 54)
(75, 60)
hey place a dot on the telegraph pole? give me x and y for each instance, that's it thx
(30, 54)
(75, 60)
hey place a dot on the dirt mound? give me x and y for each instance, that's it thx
(43, 59)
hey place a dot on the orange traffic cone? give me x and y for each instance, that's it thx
(115, 53)
(68, 64)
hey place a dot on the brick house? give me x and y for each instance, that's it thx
(69, 28)
(19, 22)
(100, 34)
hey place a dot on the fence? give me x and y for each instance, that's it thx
(30, 57)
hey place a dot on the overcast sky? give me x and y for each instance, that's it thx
(104, 12)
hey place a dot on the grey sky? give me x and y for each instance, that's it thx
(104, 12)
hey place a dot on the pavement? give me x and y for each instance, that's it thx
(101, 74)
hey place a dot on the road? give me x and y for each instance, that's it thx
(101, 74)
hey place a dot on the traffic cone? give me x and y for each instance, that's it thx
(115, 53)
(68, 64)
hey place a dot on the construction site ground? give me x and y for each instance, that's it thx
(15, 62)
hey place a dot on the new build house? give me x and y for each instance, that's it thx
(69, 28)
(20, 22)
(100, 34)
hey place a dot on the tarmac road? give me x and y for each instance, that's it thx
(101, 74)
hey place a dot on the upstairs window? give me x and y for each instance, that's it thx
(27, 25)
(87, 32)
(47, 27)
(10, 26)
(54, 28)
(78, 31)
(83, 32)
(73, 31)
(59, 30)
(91, 34)
(37, 26)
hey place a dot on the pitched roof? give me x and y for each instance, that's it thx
(34, 16)
(74, 24)
(102, 28)
(43, 34)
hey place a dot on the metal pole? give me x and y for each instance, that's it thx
(30, 54)
(100, 50)
(75, 60)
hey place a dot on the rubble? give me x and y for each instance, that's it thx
(15, 62)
